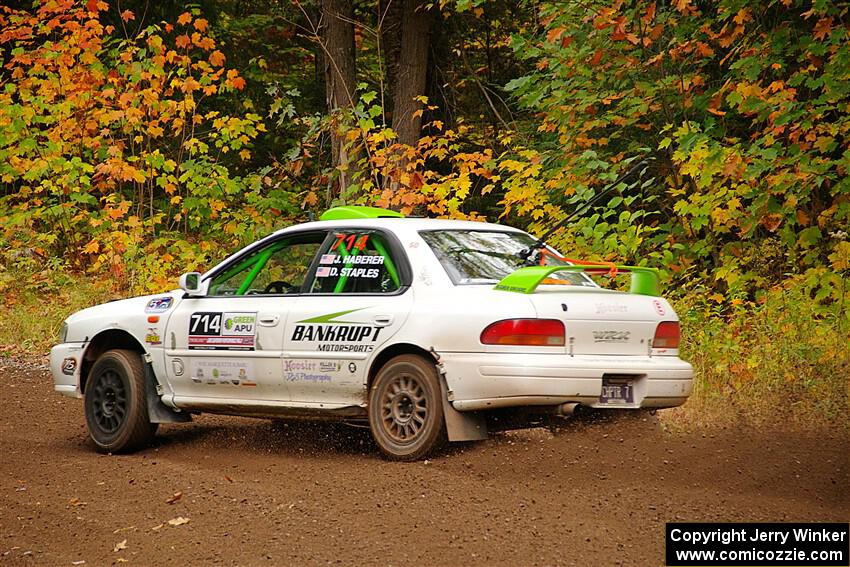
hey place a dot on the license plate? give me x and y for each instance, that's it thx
(616, 392)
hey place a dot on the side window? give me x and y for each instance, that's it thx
(278, 268)
(357, 261)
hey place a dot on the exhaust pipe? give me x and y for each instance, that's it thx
(568, 408)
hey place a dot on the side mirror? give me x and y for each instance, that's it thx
(190, 282)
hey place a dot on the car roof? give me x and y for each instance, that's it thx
(405, 223)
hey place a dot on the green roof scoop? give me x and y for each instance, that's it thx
(526, 280)
(349, 212)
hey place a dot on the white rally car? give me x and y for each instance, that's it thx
(429, 329)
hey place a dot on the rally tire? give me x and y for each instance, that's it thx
(406, 410)
(115, 403)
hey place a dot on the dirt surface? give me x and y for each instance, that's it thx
(258, 493)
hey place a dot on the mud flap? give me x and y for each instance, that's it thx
(461, 426)
(158, 412)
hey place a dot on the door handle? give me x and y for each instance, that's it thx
(383, 320)
(269, 320)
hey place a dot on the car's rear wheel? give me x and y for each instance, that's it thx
(115, 404)
(405, 409)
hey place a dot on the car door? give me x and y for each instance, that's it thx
(359, 297)
(228, 343)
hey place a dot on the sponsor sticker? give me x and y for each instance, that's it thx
(69, 366)
(152, 337)
(334, 335)
(159, 305)
(222, 331)
(603, 308)
(349, 271)
(659, 307)
(223, 371)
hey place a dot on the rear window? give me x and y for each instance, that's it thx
(485, 256)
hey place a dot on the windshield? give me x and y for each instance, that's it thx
(486, 256)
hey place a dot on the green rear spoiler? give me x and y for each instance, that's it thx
(525, 280)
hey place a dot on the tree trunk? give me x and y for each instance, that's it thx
(412, 69)
(389, 20)
(339, 71)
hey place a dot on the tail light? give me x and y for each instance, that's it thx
(531, 332)
(667, 335)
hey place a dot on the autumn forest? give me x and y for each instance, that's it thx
(143, 139)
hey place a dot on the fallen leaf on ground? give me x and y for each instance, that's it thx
(127, 529)
(120, 546)
(177, 496)
(178, 521)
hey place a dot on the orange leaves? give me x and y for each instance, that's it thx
(127, 15)
(703, 49)
(190, 85)
(597, 57)
(182, 41)
(771, 221)
(649, 15)
(95, 6)
(234, 80)
(743, 16)
(217, 58)
(556, 35)
(201, 24)
(823, 28)
(184, 18)
(202, 42)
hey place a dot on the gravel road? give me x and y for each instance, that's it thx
(251, 492)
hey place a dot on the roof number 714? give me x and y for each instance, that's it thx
(350, 241)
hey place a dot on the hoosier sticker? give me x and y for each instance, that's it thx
(222, 331)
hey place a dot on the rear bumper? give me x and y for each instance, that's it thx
(66, 361)
(479, 381)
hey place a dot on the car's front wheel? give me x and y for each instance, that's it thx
(115, 404)
(405, 409)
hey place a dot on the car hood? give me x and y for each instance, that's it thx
(113, 314)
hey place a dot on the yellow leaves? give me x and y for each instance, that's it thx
(682, 5)
(93, 247)
(245, 154)
(743, 16)
(154, 130)
(824, 143)
(840, 258)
